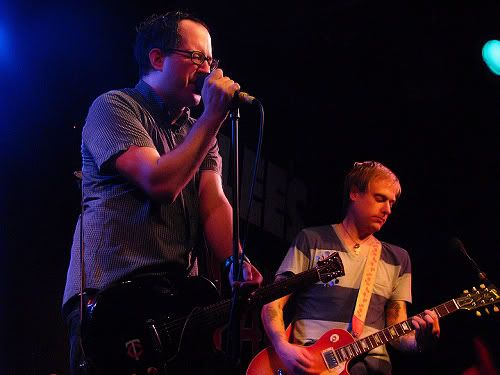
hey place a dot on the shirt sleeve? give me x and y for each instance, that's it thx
(402, 286)
(297, 259)
(111, 127)
(213, 160)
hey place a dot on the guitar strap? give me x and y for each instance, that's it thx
(366, 289)
(166, 143)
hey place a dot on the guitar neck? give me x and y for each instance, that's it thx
(282, 288)
(390, 333)
(217, 314)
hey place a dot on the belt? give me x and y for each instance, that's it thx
(73, 302)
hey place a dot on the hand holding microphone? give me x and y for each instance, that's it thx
(239, 96)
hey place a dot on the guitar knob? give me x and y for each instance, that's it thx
(478, 313)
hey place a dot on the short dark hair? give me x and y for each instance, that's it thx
(360, 176)
(159, 31)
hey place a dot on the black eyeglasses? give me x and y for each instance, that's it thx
(197, 57)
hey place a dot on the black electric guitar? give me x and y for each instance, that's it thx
(167, 324)
(336, 347)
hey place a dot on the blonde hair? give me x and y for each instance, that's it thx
(360, 176)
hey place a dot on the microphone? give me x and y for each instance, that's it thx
(457, 244)
(239, 96)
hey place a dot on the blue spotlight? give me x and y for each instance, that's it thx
(4, 45)
(491, 55)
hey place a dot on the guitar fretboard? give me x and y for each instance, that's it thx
(283, 287)
(390, 333)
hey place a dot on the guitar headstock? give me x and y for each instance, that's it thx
(330, 268)
(477, 298)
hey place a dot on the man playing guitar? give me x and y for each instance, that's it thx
(383, 285)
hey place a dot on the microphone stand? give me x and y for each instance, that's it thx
(481, 275)
(233, 339)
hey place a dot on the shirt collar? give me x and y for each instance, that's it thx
(159, 107)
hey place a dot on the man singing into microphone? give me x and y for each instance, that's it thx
(151, 173)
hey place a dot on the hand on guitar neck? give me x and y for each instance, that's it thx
(426, 327)
(427, 330)
(252, 278)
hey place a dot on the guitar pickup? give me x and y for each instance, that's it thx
(329, 357)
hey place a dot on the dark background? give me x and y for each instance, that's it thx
(341, 81)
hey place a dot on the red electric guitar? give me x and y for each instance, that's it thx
(337, 347)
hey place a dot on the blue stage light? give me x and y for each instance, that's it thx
(4, 49)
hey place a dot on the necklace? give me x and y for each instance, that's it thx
(357, 244)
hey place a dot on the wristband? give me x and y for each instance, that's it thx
(230, 260)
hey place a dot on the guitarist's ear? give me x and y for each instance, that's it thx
(355, 193)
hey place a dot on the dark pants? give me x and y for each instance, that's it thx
(71, 314)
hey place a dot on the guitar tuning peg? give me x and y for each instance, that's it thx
(487, 310)
(482, 286)
(495, 308)
(466, 291)
(474, 289)
(478, 313)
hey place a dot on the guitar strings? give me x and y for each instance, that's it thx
(201, 313)
(222, 305)
(385, 335)
(178, 322)
(182, 334)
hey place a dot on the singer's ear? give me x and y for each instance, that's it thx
(156, 59)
